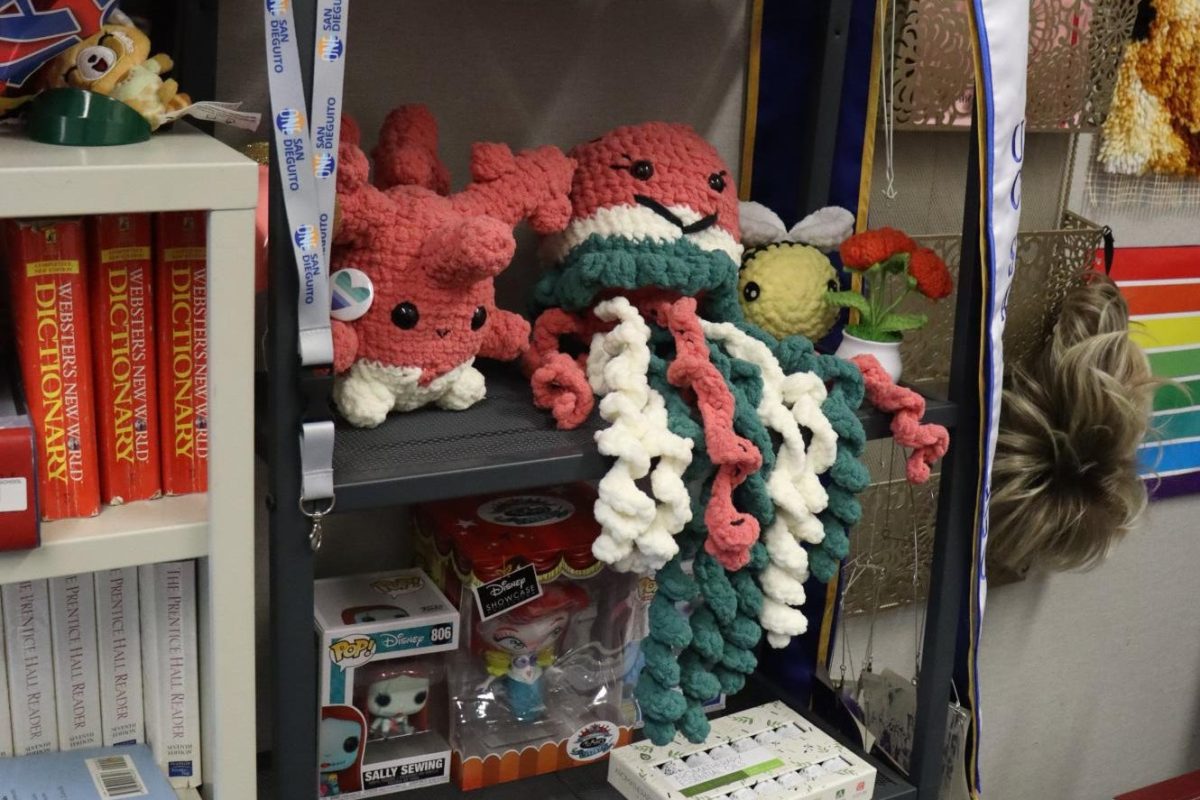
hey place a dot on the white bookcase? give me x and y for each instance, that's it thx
(179, 170)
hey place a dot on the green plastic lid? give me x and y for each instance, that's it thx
(82, 118)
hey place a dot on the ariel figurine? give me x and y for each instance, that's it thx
(518, 646)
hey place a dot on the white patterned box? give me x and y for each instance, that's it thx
(765, 752)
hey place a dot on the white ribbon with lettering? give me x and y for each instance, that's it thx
(1002, 49)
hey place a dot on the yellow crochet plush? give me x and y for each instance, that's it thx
(782, 288)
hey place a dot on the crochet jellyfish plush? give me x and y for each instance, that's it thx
(414, 301)
(732, 452)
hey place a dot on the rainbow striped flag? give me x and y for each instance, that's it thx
(1162, 287)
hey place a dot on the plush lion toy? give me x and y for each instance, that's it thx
(1154, 122)
(430, 259)
(116, 62)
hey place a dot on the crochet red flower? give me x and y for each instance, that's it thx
(930, 272)
(864, 250)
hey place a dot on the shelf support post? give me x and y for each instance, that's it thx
(227, 575)
(293, 668)
(957, 494)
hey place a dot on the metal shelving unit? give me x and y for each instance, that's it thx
(502, 444)
(505, 443)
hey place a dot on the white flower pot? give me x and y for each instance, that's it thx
(888, 353)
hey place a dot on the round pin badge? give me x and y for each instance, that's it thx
(351, 294)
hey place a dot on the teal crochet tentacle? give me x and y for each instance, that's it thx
(725, 628)
(657, 690)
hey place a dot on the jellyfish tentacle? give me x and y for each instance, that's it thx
(847, 475)
(638, 528)
(730, 531)
(559, 382)
(725, 627)
(787, 404)
(657, 691)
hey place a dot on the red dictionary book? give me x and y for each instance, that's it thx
(123, 343)
(181, 288)
(18, 467)
(47, 267)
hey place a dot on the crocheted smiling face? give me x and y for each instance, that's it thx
(656, 182)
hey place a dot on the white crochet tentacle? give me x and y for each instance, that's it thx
(787, 403)
(781, 622)
(805, 392)
(637, 529)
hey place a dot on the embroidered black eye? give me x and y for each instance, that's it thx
(351, 744)
(642, 170)
(832, 285)
(751, 291)
(478, 318)
(383, 699)
(716, 182)
(419, 699)
(405, 316)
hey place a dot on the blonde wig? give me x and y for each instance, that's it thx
(1065, 481)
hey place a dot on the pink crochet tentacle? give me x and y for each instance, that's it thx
(559, 382)
(730, 532)
(928, 441)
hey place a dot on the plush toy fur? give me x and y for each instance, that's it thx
(1154, 122)
(432, 259)
(116, 61)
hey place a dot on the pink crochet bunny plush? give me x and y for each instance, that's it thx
(431, 259)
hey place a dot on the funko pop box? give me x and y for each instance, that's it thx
(383, 683)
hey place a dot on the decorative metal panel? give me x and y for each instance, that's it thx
(1047, 262)
(1075, 48)
(879, 573)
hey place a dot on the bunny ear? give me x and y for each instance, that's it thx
(824, 229)
(760, 225)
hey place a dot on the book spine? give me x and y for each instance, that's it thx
(177, 705)
(6, 742)
(76, 669)
(30, 667)
(120, 648)
(181, 266)
(19, 529)
(123, 342)
(48, 272)
(148, 604)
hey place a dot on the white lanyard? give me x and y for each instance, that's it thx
(307, 164)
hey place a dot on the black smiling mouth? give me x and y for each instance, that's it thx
(658, 208)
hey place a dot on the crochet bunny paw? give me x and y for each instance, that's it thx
(464, 390)
(363, 400)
